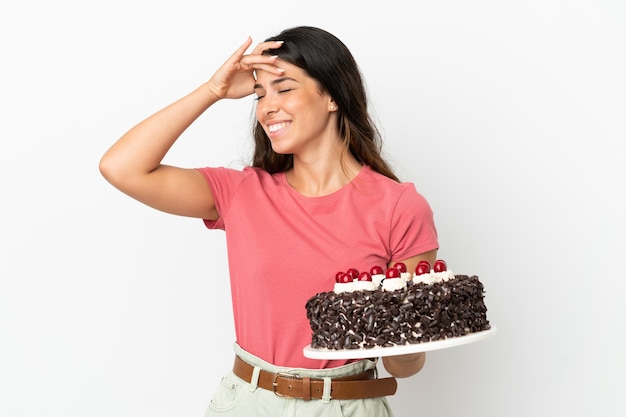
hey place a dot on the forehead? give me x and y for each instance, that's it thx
(292, 73)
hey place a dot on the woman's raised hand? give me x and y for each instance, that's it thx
(235, 78)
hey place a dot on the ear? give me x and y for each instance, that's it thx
(332, 106)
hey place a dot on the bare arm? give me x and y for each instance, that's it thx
(403, 366)
(133, 163)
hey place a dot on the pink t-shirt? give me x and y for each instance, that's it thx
(284, 247)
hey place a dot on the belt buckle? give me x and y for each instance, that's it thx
(282, 375)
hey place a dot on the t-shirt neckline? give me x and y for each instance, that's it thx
(334, 194)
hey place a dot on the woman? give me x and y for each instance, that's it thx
(318, 198)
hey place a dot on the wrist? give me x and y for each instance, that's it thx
(210, 92)
(403, 366)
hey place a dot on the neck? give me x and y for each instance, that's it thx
(316, 177)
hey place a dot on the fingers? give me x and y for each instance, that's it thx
(243, 48)
(240, 61)
(258, 50)
(267, 65)
(264, 46)
(257, 61)
(236, 76)
(239, 53)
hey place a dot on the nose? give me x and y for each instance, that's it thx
(267, 105)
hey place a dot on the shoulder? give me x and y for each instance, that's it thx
(388, 188)
(245, 182)
(232, 174)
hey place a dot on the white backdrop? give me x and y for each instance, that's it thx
(508, 116)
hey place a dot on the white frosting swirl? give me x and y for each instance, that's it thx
(354, 286)
(377, 279)
(433, 277)
(364, 285)
(392, 284)
(344, 287)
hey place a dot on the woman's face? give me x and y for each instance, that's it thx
(294, 112)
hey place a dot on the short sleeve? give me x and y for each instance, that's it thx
(223, 183)
(413, 228)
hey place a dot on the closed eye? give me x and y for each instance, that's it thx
(285, 90)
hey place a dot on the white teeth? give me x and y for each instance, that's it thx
(277, 126)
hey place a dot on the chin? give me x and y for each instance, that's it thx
(281, 150)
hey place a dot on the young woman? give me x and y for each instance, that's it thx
(318, 198)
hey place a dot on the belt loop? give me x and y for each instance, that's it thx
(327, 386)
(306, 388)
(254, 379)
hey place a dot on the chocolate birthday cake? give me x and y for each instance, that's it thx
(394, 307)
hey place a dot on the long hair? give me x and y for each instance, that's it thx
(326, 59)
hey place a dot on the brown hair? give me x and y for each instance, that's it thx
(326, 59)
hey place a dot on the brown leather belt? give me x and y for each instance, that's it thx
(363, 385)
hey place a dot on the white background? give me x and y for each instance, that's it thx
(508, 116)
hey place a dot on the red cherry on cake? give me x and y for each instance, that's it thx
(376, 270)
(353, 273)
(365, 276)
(338, 276)
(440, 265)
(344, 278)
(393, 273)
(423, 267)
(400, 266)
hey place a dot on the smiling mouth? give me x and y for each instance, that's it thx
(276, 127)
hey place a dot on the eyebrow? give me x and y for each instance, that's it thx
(276, 81)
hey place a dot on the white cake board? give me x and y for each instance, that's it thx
(375, 352)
